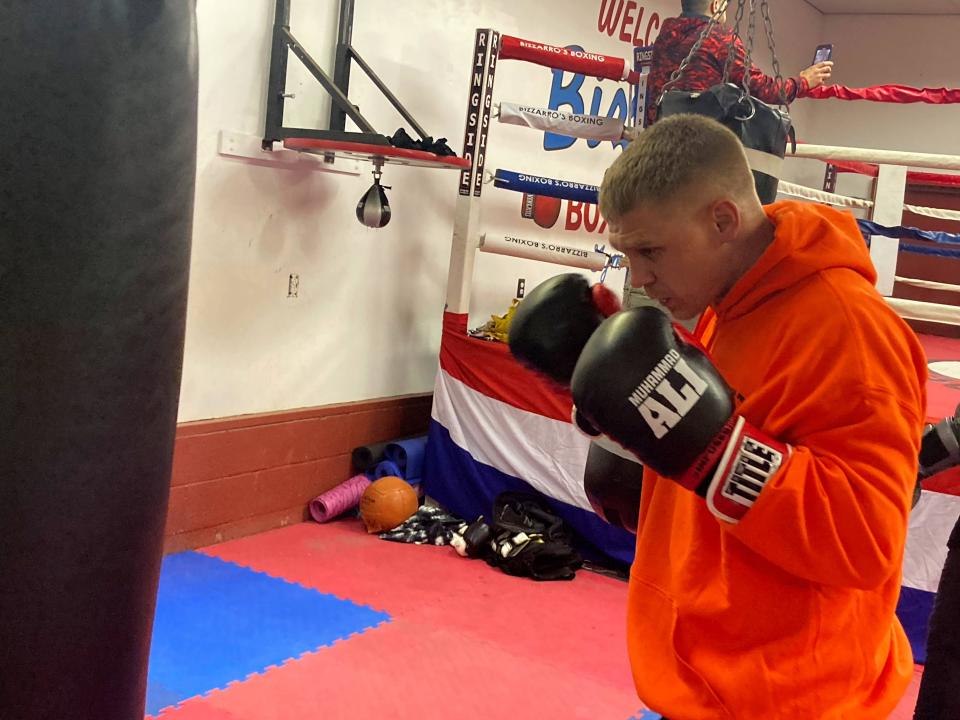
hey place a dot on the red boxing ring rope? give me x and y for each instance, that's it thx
(898, 94)
(558, 58)
(921, 178)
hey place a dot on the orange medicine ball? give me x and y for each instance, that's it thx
(386, 503)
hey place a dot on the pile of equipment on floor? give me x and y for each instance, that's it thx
(523, 537)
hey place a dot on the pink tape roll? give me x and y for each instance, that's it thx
(338, 500)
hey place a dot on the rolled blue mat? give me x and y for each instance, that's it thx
(387, 468)
(551, 187)
(408, 456)
(366, 457)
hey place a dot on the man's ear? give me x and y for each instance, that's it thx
(726, 219)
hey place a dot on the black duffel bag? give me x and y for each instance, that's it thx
(530, 540)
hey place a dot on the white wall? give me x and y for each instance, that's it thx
(367, 320)
(917, 50)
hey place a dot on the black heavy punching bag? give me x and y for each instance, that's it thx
(939, 697)
(97, 166)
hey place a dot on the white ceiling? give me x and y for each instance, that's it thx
(887, 7)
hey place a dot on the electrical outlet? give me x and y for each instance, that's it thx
(293, 285)
(521, 288)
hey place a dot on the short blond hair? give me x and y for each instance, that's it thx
(679, 154)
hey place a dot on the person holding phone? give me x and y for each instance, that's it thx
(677, 37)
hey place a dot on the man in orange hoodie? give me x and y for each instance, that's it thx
(784, 608)
(780, 447)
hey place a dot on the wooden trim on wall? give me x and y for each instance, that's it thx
(238, 476)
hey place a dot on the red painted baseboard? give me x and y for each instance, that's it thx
(238, 476)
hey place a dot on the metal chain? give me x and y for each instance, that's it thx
(751, 37)
(772, 44)
(731, 49)
(732, 46)
(678, 73)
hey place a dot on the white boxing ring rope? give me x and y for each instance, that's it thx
(888, 201)
(801, 191)
(928, 284)
(879, 157)
(929, 312)
(937, 213)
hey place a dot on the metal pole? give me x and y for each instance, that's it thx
(339, 98)
(341, 67)
(276, 84)
(387, 94)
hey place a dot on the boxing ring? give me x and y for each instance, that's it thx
(496, 426)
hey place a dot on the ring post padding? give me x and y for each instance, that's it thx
(549, 187)
(466, 219)
(544, 251)
(887, 210)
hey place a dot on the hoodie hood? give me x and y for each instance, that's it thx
(808, 239)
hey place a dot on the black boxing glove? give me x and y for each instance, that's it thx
(940, 446)
(474, 540)
(670, 406)
(612, 480)
(554, 321)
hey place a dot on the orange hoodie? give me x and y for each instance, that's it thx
(790, 613)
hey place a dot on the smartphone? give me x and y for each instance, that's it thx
(824, 53)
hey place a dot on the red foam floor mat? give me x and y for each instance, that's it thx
(464, 640)
(461, 635)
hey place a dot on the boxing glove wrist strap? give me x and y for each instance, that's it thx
(750, 460)
(732, 471)
(696, 478)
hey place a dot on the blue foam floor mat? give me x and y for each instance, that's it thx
(217, 622)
